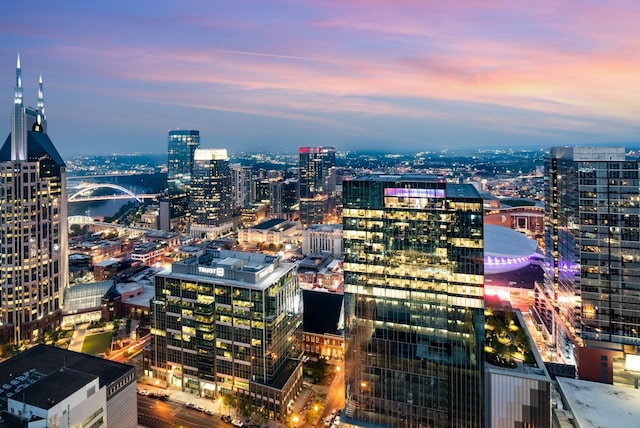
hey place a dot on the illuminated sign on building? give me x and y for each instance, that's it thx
(211, 271)
(398, 197)
(401, 192)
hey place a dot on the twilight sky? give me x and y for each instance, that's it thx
(390, 75)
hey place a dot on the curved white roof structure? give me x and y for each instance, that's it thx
(505, 249)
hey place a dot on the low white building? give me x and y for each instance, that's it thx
(275, 231)
(46, 386)
(65, 397)
(323, 237)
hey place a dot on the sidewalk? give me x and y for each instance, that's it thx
(78, 338)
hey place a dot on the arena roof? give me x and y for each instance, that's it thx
(506, 250)
(500, 241)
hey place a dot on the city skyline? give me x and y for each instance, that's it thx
(359, 76)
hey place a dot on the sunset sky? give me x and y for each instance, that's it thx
(390, 75)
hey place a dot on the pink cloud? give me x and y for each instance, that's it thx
(368, 57)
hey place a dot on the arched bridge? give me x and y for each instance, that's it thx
(78, 195)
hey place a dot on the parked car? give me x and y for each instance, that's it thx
(209, 412)
(191, 405)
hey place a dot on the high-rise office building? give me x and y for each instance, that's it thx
(33, 224)
(283, 198)
(223, 323)
(316, 182)
(181, 144)
(414, 302)
(591, 296)
(241, 176)
(210, 202)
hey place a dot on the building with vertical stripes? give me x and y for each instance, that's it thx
(33, 225)
(414, 307)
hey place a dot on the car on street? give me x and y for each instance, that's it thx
(209, 412)
(191, 405)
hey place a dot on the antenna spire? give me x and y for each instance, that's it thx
(40, 104)
(18, 89)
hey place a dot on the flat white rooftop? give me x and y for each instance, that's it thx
(601, 405)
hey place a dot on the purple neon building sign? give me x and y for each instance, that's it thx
(399, 192)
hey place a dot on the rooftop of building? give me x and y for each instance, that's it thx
(597, 405)
(315, 261)
(108, 262)
(97, 244)
(583, 153)
(452, 190)
(190, 249)
(39, 145)
(35, 363)
(143, 299)
(508, 345)
(398, 177)
(54, 388)
(83, 297)
(147, 247)
(268, 224)
(160, 234)
(462, 191)
(284, 374)
(322, 312)
(236, 268)
(324, 227)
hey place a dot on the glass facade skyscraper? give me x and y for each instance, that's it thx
(414, 302)
(211, 202)
(316, 175)
(181, 146)
(33, 225)
(592, 249)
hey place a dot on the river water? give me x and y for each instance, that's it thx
(139, 183)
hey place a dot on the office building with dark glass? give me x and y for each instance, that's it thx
(33, 225)
(211, 201)
(414, 302)
(316, 182)
(181, 146)
(224, 323)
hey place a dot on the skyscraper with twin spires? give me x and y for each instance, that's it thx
(33, 224)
